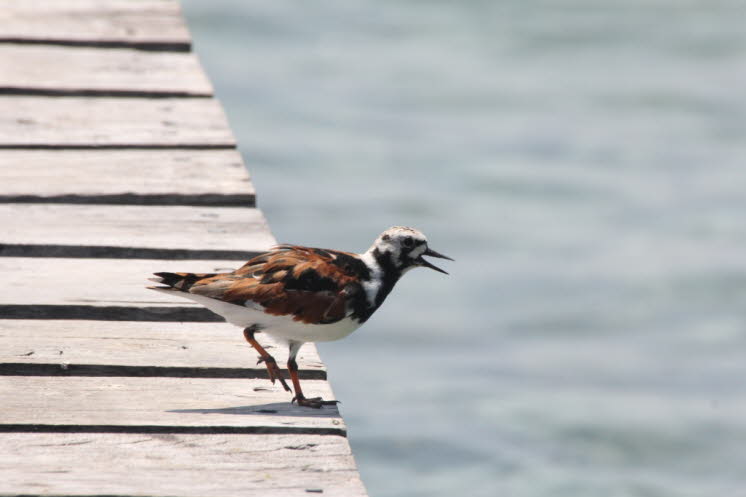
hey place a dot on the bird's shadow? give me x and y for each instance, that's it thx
(270, 409)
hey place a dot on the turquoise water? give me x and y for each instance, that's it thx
(585, 164)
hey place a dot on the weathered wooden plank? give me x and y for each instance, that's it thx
(147, 24)
(90, 122)
(139, 349)
(161, 405)
(54, 70)
(163, 231)
(44, 281)
(166, 465)
(153, 177)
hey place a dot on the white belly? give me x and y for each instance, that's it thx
(285, 328)
(280, 327)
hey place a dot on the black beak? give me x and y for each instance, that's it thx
(432, 253)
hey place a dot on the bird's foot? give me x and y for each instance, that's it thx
(315, 402)
(273, 370)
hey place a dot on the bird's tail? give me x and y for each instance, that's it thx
(177, 282)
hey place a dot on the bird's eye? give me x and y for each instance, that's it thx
(408, 242)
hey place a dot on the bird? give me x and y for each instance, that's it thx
(298, 294)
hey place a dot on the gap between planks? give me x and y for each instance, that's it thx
(110, 252)
(148, 46)
(157, 199)
(253, 429)
(105, 370)
(118, 146)
(164, 313)
(86, 92)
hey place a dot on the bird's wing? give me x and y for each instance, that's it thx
(302, 282)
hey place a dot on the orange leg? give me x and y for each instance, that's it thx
(272, 369)
(315, 402)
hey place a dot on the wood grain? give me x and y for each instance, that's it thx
(153, 177)
(161, 405)
(147, 24)
(166, 465)
(216, 230)
(132, 348)
(95, 282)
(55, 70)
(91, 122)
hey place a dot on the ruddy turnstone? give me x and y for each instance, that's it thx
(301, 294)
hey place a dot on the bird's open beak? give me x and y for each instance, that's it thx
(432, 253)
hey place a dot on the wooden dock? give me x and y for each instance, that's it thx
(115, 162)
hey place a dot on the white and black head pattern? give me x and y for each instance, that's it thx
(402, 246)
(395, 251)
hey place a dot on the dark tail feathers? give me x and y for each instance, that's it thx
(180, 281)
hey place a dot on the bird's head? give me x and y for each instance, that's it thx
(405, 248)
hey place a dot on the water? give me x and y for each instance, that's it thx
(584, 162)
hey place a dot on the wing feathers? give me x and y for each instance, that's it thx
(311, 285)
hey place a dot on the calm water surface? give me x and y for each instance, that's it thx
(585, 164)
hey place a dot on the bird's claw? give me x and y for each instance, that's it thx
(273, 371)
(315, 402)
